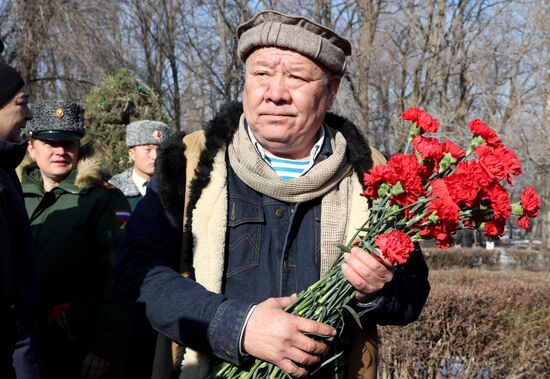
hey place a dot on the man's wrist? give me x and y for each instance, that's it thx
(241, 346)
(226, 328)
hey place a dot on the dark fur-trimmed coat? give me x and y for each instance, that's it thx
(159, 244)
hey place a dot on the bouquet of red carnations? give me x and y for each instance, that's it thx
(428, 193)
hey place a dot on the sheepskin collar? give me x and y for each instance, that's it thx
(124, 182)
(219, 132)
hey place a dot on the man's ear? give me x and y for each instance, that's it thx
(30, 149)
(332, 89)
(131, 153)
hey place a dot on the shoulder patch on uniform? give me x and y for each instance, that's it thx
(121, 218)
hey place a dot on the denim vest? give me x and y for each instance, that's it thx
(273, 247)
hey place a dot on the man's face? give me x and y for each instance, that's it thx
(14, 116)
(144, 159)
(285, 99)
(55, 159)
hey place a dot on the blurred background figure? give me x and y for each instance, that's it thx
(143, 139)
(465, 238)
(77, 222)
(17, 277)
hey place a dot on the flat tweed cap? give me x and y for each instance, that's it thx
(146, 132)
(270, 28)
(56, 120)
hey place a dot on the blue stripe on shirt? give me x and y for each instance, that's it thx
(276, 160)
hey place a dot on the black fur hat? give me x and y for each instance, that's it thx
(10, 82)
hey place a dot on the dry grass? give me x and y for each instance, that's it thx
(480, 323)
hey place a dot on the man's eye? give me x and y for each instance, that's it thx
(298, 78)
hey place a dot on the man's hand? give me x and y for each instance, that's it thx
(278, 337)
(367, 273)
(93, 367)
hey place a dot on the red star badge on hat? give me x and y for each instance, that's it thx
(157, 134)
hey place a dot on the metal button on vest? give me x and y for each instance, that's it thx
(279, 212)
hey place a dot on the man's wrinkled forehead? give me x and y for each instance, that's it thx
(271, 57)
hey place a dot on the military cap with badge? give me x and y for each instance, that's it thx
(146, 132)
(56, 120)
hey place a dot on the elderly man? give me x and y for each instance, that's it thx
(17, 284)
(143, 139)
(275, 190)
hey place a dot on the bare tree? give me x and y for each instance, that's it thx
(457, 59)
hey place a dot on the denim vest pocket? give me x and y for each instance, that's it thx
(245, 221)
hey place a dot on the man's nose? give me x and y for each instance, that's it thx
(59, 149)
(278, 91)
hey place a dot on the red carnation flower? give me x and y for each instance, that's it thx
(408, 172)
(447, 212)
(530, 202)
(476, 171)
(444, 206)
(500, 201)
(498, 161)
(375, 177)
(395, 246)
(422, 119)
(463, 188)
(455, 151)
(430, 151)
(428, 148)
(55, 312)
(495, 228)
(523, 222)
(479, 128)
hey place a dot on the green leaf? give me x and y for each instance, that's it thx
(433, 217)
(397, 189)
(368, 246)
(336, 356)
(419, 158)
(383, 189)
(477, 141)
(446, 162)
(354, 314)
(344, 248)
(414, 131)
(517, 209)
